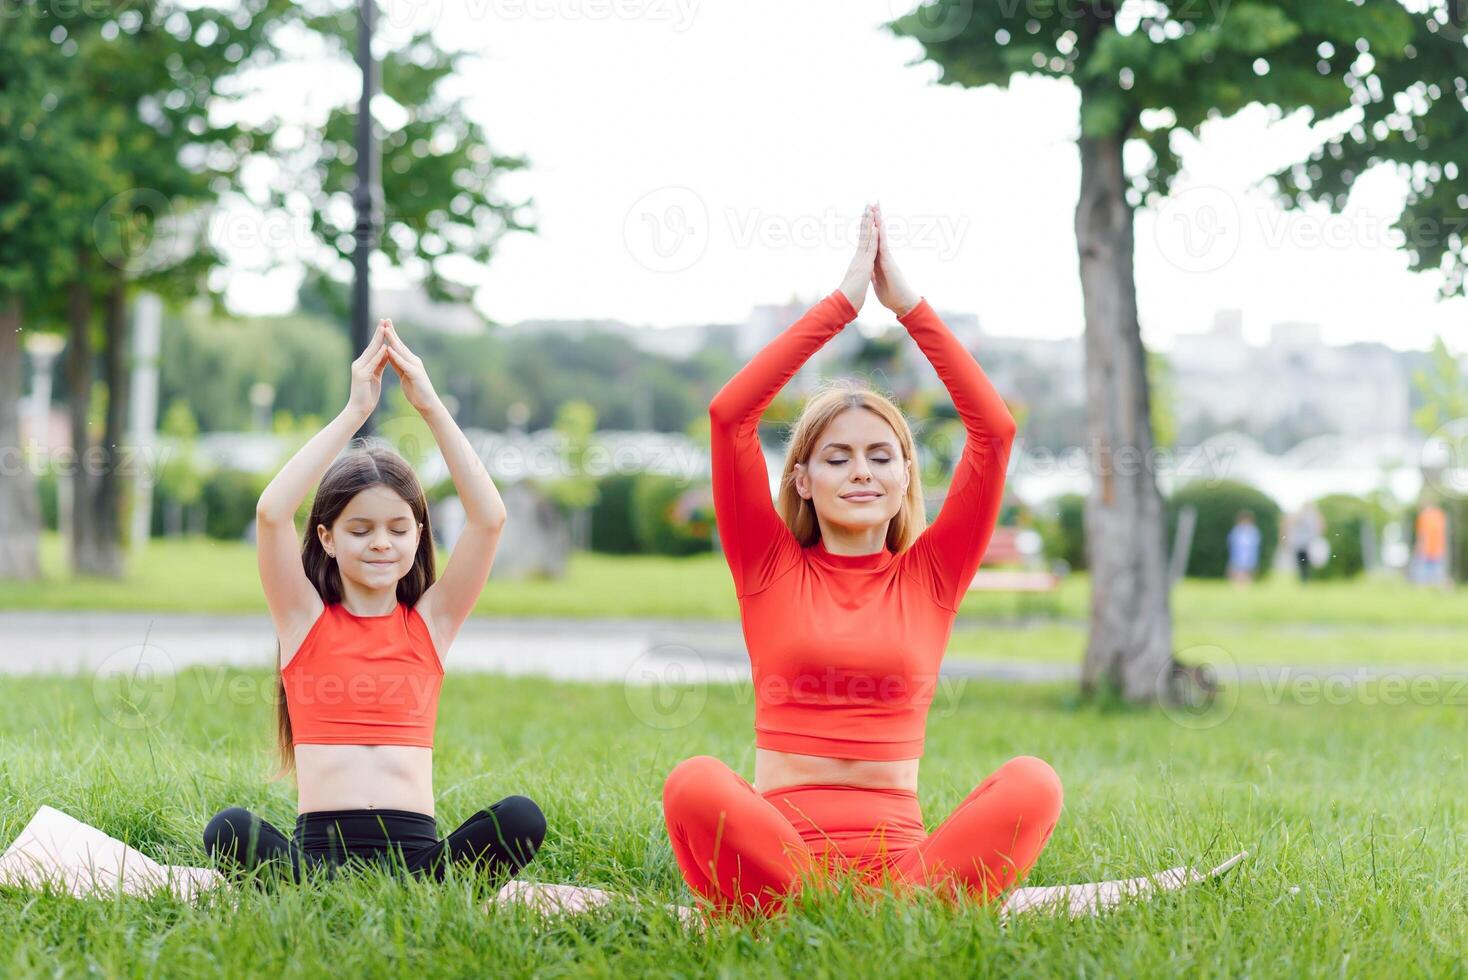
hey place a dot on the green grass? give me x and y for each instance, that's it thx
(1353, 813)
(1326, 646)
(202, 575)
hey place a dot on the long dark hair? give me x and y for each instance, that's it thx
(362, 466)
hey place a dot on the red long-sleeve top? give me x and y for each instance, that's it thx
(845, 649)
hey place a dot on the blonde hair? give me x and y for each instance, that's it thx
(833, 399)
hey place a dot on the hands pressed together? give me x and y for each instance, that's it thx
(873, 263)
(387, 347)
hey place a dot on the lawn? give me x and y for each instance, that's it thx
(202, 575)
(1315, 645)
(1353, 814)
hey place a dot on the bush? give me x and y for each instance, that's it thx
(671, 516)
(1068, 542)
(611, 515)
(1345, 517)
(230, 497)
(1217, 505)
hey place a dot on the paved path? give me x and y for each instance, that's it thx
(628, 650)
(635, 650)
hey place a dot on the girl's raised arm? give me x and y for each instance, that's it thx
(448, 601)
(293, 600)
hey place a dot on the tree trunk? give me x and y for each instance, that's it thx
(78, 367)
(96, 545)
(1130, 644)
(20, 509)
(113, 483)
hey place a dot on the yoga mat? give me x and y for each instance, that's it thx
(1090, 898)
(1093, 898)
(58, 850)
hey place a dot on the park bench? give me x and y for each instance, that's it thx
(1005, 548)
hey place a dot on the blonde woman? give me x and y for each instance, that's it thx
(847, 601)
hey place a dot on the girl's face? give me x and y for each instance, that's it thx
(856, 476)
(373, 539)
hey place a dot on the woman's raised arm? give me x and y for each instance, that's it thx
(949, 551)
(291, 596)
(757, 544)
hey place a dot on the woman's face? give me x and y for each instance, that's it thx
(373, 539)
(856, 476)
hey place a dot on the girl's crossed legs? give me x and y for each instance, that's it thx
(737, 847)
(500, 840)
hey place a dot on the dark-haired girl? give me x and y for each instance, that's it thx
(363, 625)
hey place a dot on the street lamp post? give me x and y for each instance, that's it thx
(367, 195)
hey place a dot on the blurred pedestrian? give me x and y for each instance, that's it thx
(1243, 549)
(1306, 527)
(1430, 551)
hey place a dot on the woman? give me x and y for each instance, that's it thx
(847, 604)
(362, 624)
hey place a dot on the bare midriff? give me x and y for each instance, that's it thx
(364, 777)
(774, 770)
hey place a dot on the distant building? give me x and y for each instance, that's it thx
(1291, 388)
(413, 306)
(1295, 379)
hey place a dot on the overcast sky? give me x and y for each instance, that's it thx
(692, 158)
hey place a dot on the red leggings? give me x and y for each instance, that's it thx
(738, 847)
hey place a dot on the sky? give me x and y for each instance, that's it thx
(690, 159)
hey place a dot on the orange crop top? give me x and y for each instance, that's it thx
(845, 649)
(364, 680)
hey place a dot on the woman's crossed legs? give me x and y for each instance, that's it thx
(737, 847)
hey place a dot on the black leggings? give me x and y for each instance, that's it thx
(499, 841)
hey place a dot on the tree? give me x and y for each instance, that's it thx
(134, 96)
(1443, 389)
(441, 208)
(42, 162)
(1145, 72)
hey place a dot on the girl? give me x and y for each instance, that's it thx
(847, 603)
(362, 625)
